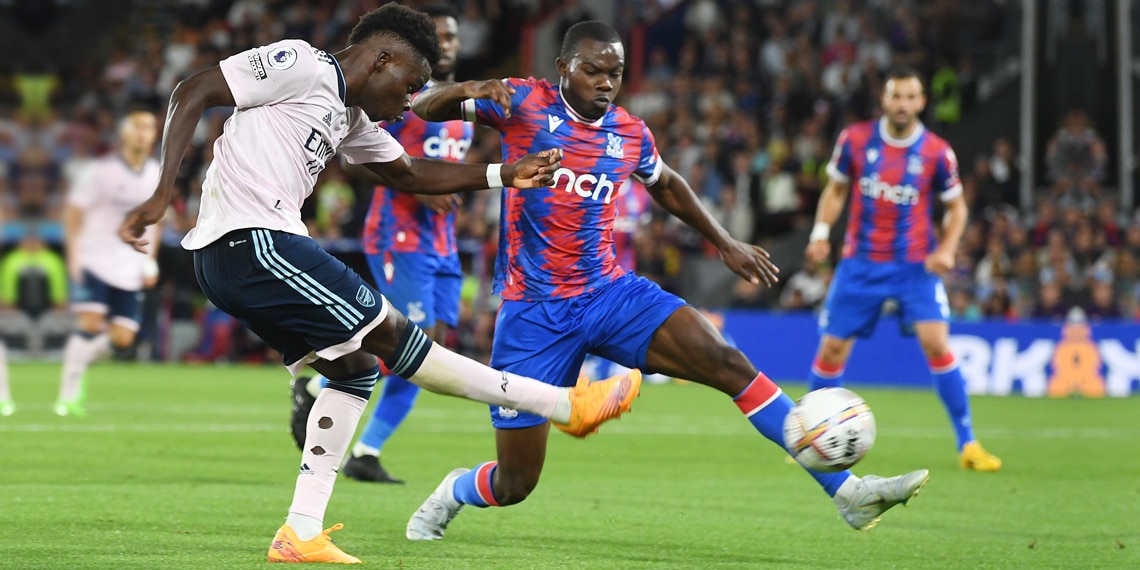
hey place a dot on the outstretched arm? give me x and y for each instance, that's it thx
(830, 207)
(954, 221)
(427, 176)
(445, 102)
(189, 100)
(674, 194)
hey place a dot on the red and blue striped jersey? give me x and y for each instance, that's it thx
(558, 242)
(396, 221)
(632, 203)
(892, 197)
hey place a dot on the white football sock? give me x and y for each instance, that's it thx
(331, 424)
(446, 372)
(5, 393)
(304, 526)
(78, 354)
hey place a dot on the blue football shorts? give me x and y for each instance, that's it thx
(548, 340)
(93, 295)
(860, 288)
(424, 287)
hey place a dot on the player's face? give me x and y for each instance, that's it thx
(139, 131)
(448, 31)
(902, 101)
(387, 94)
(592, 78)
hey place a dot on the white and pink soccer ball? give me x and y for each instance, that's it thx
(829, 429)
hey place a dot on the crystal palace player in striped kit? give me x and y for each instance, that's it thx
(409, 241)
(296, 106)
(564, 295)
(890, 251)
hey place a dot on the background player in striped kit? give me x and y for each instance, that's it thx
(565, 296)
(890, 250)
(107, 275)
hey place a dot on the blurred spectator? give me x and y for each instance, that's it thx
(999, 303)
(807, 288)
(1049, 304)
(1005, 171)
(1076, 160)
(1102, 304)
(33, 278)
(996, 263)
(1127, 283)
(963, 308)
(946, 95)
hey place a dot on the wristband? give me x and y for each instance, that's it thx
(150, 269)
(820, 232)
(494, 175)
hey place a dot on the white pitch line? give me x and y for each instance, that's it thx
(458, 427)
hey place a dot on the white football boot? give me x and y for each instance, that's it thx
(429, 522)
(862, 501)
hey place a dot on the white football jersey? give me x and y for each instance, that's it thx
(106, 189)
(290, 120)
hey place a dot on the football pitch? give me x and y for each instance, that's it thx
(193, 467)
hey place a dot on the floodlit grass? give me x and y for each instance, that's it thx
(192, 467)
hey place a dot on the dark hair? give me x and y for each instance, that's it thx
(903, 73)
(416, 29)
(588, 30)
(440, 10)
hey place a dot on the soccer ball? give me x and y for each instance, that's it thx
(829, 429)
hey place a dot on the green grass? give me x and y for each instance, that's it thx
(192, 467)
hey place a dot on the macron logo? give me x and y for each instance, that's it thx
(554, 122)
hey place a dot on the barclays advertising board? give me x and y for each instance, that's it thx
(997, 358)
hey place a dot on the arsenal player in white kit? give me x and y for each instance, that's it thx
(296, 107)
(107, 275)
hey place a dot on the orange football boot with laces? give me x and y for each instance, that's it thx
(286, 547)
(594, 403)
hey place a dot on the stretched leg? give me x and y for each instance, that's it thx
(934, 337)
(507, 481)
(830, 359)
(524, 343)
(331, 424)
(688, 346)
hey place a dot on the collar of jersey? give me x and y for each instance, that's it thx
(574, 116)
(897, 142)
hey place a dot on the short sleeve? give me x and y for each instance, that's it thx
(946, 180)
(271, 74)
(393, 128)
(366, 142)
(839, 167)
(83, 190)
(649, 164)
(490, 113)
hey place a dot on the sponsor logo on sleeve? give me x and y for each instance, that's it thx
(257, 66)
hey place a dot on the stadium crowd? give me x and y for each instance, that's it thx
(746, 106)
